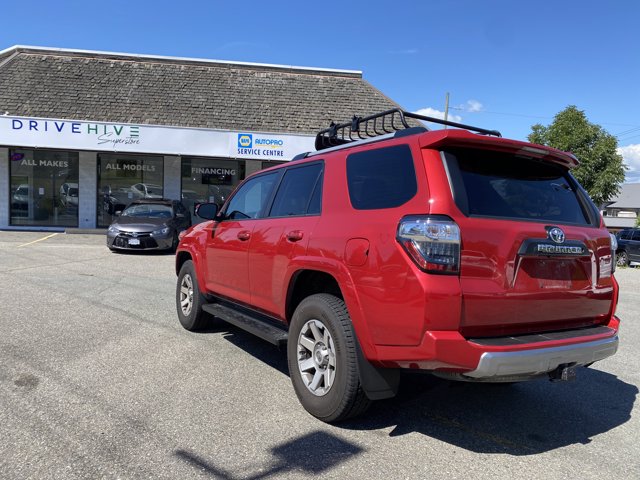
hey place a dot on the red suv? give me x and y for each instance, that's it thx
(464, 254)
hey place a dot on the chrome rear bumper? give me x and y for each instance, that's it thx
(539, 361)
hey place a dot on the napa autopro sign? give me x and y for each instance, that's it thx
(112, 137)
(263, 146)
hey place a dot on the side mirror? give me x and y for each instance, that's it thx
(117, 213)
(208, 211)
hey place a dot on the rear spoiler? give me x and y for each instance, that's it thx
(461, 138)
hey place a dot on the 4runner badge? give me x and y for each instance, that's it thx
(556, 234)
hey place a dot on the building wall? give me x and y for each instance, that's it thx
(4, 187)
(172, 177)
(87, 185)
(252, 166)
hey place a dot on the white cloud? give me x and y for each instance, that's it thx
(432, 112)
(631, 157)
(471, 106)
(474, 106)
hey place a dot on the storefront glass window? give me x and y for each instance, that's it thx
(207, 180)
(125, 178)
(44, 188)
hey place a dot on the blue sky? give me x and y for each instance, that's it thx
(505, 64)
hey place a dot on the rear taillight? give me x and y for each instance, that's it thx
(608, 262)
(432, 242)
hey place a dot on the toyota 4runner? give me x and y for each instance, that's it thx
(392, 246)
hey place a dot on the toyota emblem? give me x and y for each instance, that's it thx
(556, 234)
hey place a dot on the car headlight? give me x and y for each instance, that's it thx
(113, 229)
(161, 232)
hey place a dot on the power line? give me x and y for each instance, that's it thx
(629, 138)
(626, 132)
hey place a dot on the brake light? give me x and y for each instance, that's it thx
(608, 262)
(432, 242)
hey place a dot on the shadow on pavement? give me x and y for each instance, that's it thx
(314, 453)
(518, 419)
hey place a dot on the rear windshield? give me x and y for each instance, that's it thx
(495, 184)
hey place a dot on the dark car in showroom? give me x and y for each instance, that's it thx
(148, 224)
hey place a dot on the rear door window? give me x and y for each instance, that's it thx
(495, 184)
(381, 178)
(295, 194)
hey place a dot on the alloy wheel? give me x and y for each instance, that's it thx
(316, 357)
(186, 294)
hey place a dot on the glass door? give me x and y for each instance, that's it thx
(44, 188)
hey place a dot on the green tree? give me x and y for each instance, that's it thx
(601, 170)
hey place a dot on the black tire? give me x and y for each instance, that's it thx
(622, 259)
(192, 318)
(338, 392)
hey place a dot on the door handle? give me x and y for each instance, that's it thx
(295, 235)
(244, 235)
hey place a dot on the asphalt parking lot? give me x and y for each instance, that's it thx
(99, 380)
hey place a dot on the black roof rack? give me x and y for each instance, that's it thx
(389, 121)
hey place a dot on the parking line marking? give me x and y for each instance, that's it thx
(36, 241)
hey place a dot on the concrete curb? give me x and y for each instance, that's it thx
(90, 231)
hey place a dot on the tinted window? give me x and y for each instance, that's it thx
(497, 184)
(382, 178)
(250, 200)
(315, 205)
(625, 235)
(296, 190)
(636, 235)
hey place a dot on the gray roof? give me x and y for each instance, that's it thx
(629, 197)
(152, 90)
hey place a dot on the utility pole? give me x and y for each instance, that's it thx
(446, 109)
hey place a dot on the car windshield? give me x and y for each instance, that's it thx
(148, 210)
(73, 192)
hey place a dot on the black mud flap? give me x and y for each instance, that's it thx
(377, 383)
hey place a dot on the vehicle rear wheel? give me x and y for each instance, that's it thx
(622, 259)
(189, 300)
(322, 357)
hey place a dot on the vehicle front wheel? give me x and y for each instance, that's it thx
(189, 300)
(622, 259)
(322, 357)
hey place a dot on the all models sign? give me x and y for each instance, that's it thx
(112, 137)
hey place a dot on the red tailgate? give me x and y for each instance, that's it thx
(508, 290)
